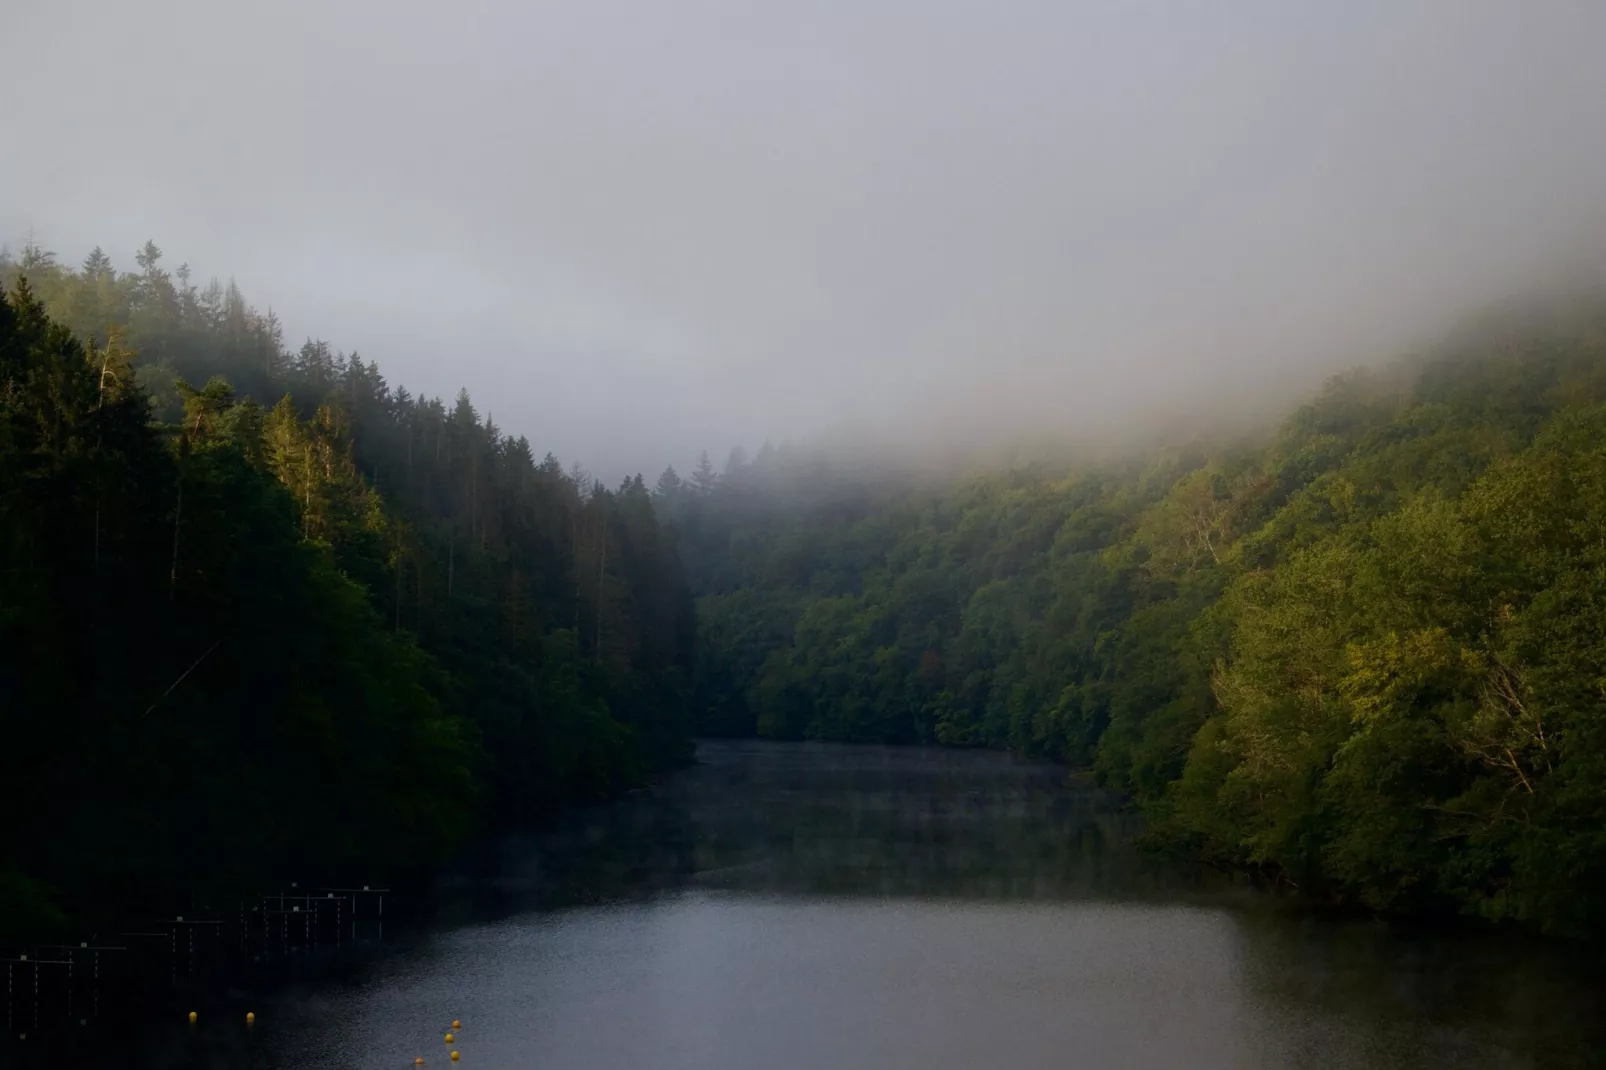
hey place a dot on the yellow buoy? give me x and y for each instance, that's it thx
(454, 1056)
(448, 1038)
(456, 1024)
(193, 1016)
(250, 1019)
(418, 1061)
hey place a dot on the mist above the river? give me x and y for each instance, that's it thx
(635, 231)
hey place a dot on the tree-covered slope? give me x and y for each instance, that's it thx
(291, 620)
(1365, 653)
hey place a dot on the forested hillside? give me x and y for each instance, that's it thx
(262, 615)
(1365, 654)
(260, 612)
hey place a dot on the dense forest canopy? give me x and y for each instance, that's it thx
(1365, 654)
(263, 615)
(262, 612)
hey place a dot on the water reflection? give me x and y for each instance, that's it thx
(831, 908)
(813, 819)
(1358, 993)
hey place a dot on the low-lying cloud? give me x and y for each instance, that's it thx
(635, 230)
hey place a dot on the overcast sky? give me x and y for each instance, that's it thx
(637, 229)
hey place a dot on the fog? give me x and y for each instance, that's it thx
(636, 230)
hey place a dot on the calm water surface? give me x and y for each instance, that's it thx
(814, 907)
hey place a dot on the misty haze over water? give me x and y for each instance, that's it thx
(1024, 326)
(817, 905)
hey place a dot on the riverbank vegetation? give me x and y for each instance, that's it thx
(264, 616)
(1365, 653)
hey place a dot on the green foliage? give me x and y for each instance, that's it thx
(1365, 655)
(333, 637)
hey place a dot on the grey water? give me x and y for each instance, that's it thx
(822, 907)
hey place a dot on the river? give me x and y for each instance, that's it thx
(821, 907)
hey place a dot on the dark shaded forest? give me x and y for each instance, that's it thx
(1363, 655)
(262, 615)
(263, 612)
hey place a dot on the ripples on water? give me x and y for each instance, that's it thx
(832, 908)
